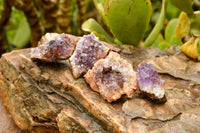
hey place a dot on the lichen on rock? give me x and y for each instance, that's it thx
(112, 77)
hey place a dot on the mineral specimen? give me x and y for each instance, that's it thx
(47, 38)
(150, 83)
(87, 52)
(58, 49)
(112, 77)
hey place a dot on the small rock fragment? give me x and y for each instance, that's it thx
(47, 38)
(150, 83)
(58, 49)
(112, 77)
(87, 52)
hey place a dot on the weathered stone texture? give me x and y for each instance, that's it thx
(44, 97)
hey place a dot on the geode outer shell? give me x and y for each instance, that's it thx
(150, 83)
(58, 49)
(88, 51)
(112, 77)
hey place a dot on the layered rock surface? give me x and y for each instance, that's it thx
(44, 97)
(7, 125)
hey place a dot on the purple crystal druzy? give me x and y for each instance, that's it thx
(88, 51)
(149, 80)
(113, 77)
(60, 48)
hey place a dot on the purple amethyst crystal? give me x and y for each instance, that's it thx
(150, 83)
(87, 52)
(113, 77)
(58, 49)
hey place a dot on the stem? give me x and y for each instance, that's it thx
(81, 14)
(64, 16)
(49, 9)
(158, 27)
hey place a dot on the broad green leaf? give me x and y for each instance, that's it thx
(172, 11)
(184, 5)
(170, 34)
(92, 26)
(195, 24)
(23, 34)
(164, 44)
(170, 29)
(128, 19)
(106, 3)
(157, 41)
(99, 4)
(14, 21)
(183, 27)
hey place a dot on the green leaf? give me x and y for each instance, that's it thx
(14, 21)
(195, 24)
(164, 44)
(1, 5)
(157, 41)
(92, 26)
(170, 29)
(105, 3)
(158, 27)
(170, 32)
(184, 5)
(99, 4)
(198, 48)
(175, 41)
(23, 34)
(128, 19)
(172, 11)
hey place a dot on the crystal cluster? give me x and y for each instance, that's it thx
(48, 37)
(112, 77)
(150, 83)
(58, 49)
(88, 51)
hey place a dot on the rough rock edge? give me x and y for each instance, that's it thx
(70, 119)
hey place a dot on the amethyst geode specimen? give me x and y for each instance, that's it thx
(112, 77)
(58, 49)
(88, 51)
(150, 83)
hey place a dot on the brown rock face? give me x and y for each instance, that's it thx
(71, 119)
(112, 77)
(45, 98)
(7, 125)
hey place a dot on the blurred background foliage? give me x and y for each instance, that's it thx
(26, 23)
